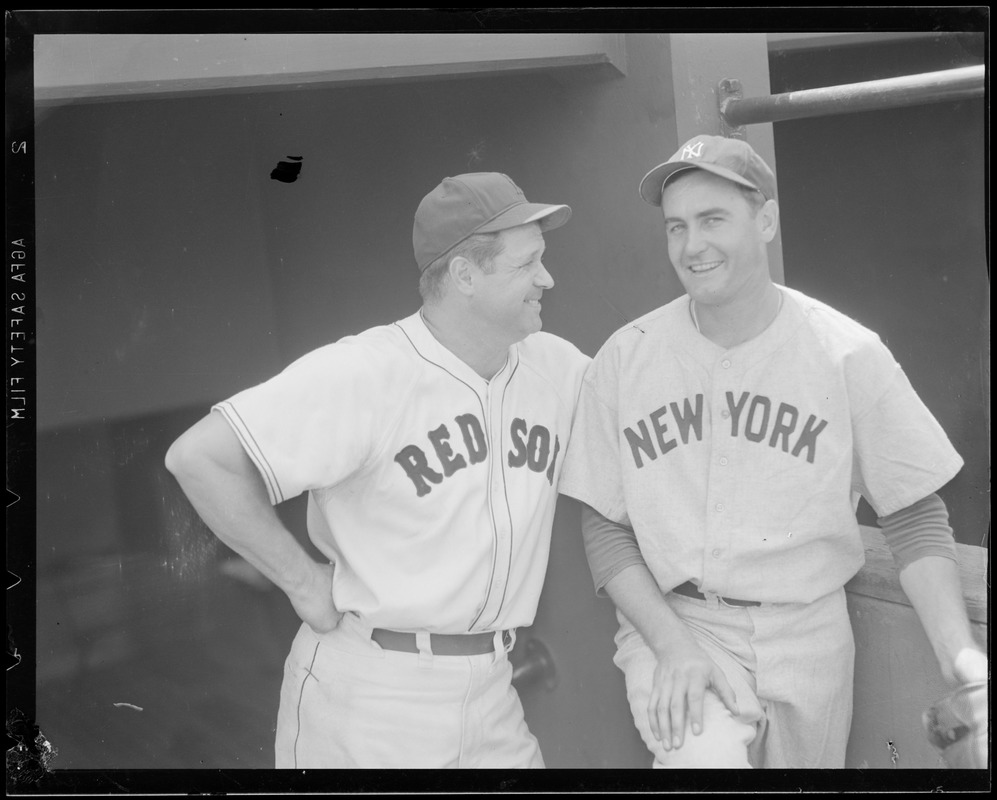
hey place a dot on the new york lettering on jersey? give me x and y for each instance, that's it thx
(756, 417)
(533, 447)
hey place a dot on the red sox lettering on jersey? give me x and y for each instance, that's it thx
(756, 417)
(531, 448)
(431, 488)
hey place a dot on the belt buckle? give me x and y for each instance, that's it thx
(712, 599)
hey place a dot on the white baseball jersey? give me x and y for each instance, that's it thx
(432, 489)
(740, 468)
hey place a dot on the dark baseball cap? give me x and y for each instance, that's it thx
(733, 159)
(478, 202)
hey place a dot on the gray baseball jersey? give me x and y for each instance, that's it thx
(740, 469)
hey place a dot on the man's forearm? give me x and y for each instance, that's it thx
(619, 569)
(638, 597)
(249, 525)
(933, 587)
(225, 489)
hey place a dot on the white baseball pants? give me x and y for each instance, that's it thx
(347, 703)
(791, 667)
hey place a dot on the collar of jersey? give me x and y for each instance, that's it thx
(785, 325)
(429, 347)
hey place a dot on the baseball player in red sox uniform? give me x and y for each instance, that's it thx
(720, 446)
(430, 450)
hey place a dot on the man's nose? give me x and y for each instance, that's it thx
(694, 242)
(544, 278)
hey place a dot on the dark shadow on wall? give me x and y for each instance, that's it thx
(157, 647)
(884, 218)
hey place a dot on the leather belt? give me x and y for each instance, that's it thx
(689, 589)
(442, 644)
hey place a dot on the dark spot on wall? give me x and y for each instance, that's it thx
(287, 171)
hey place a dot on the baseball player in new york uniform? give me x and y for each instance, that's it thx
(720, 446)
(430, 450)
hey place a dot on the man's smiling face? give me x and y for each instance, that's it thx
(716, 238)
(508, 297)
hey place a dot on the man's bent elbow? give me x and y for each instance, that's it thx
(182, 455)
(204, 449)
(175, 458)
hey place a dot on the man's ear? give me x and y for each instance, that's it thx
(462, 273)
(768, 220)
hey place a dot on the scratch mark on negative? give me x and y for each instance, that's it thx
(625, 317)
(476, 154)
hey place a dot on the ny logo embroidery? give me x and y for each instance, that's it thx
(692, 151)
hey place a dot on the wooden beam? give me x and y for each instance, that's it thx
(879, 578)
(121, 66)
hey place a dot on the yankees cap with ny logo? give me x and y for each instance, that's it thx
(733, 159)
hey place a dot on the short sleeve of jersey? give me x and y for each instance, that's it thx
(901, 453)
(313, 424)
(592, 471)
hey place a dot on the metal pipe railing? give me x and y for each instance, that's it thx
(908, 90)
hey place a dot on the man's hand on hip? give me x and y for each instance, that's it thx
(313, 601)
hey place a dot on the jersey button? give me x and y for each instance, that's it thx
(725, 414)
(723, 461)
(725, 363)
(720, 507)
(716, 553)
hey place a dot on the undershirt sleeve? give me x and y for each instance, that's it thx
(609, 546)
(922, 529)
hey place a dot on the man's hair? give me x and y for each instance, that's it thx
(754, 198)
(481, 248)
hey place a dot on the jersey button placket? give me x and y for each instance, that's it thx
(721, 481)
(501, 524)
